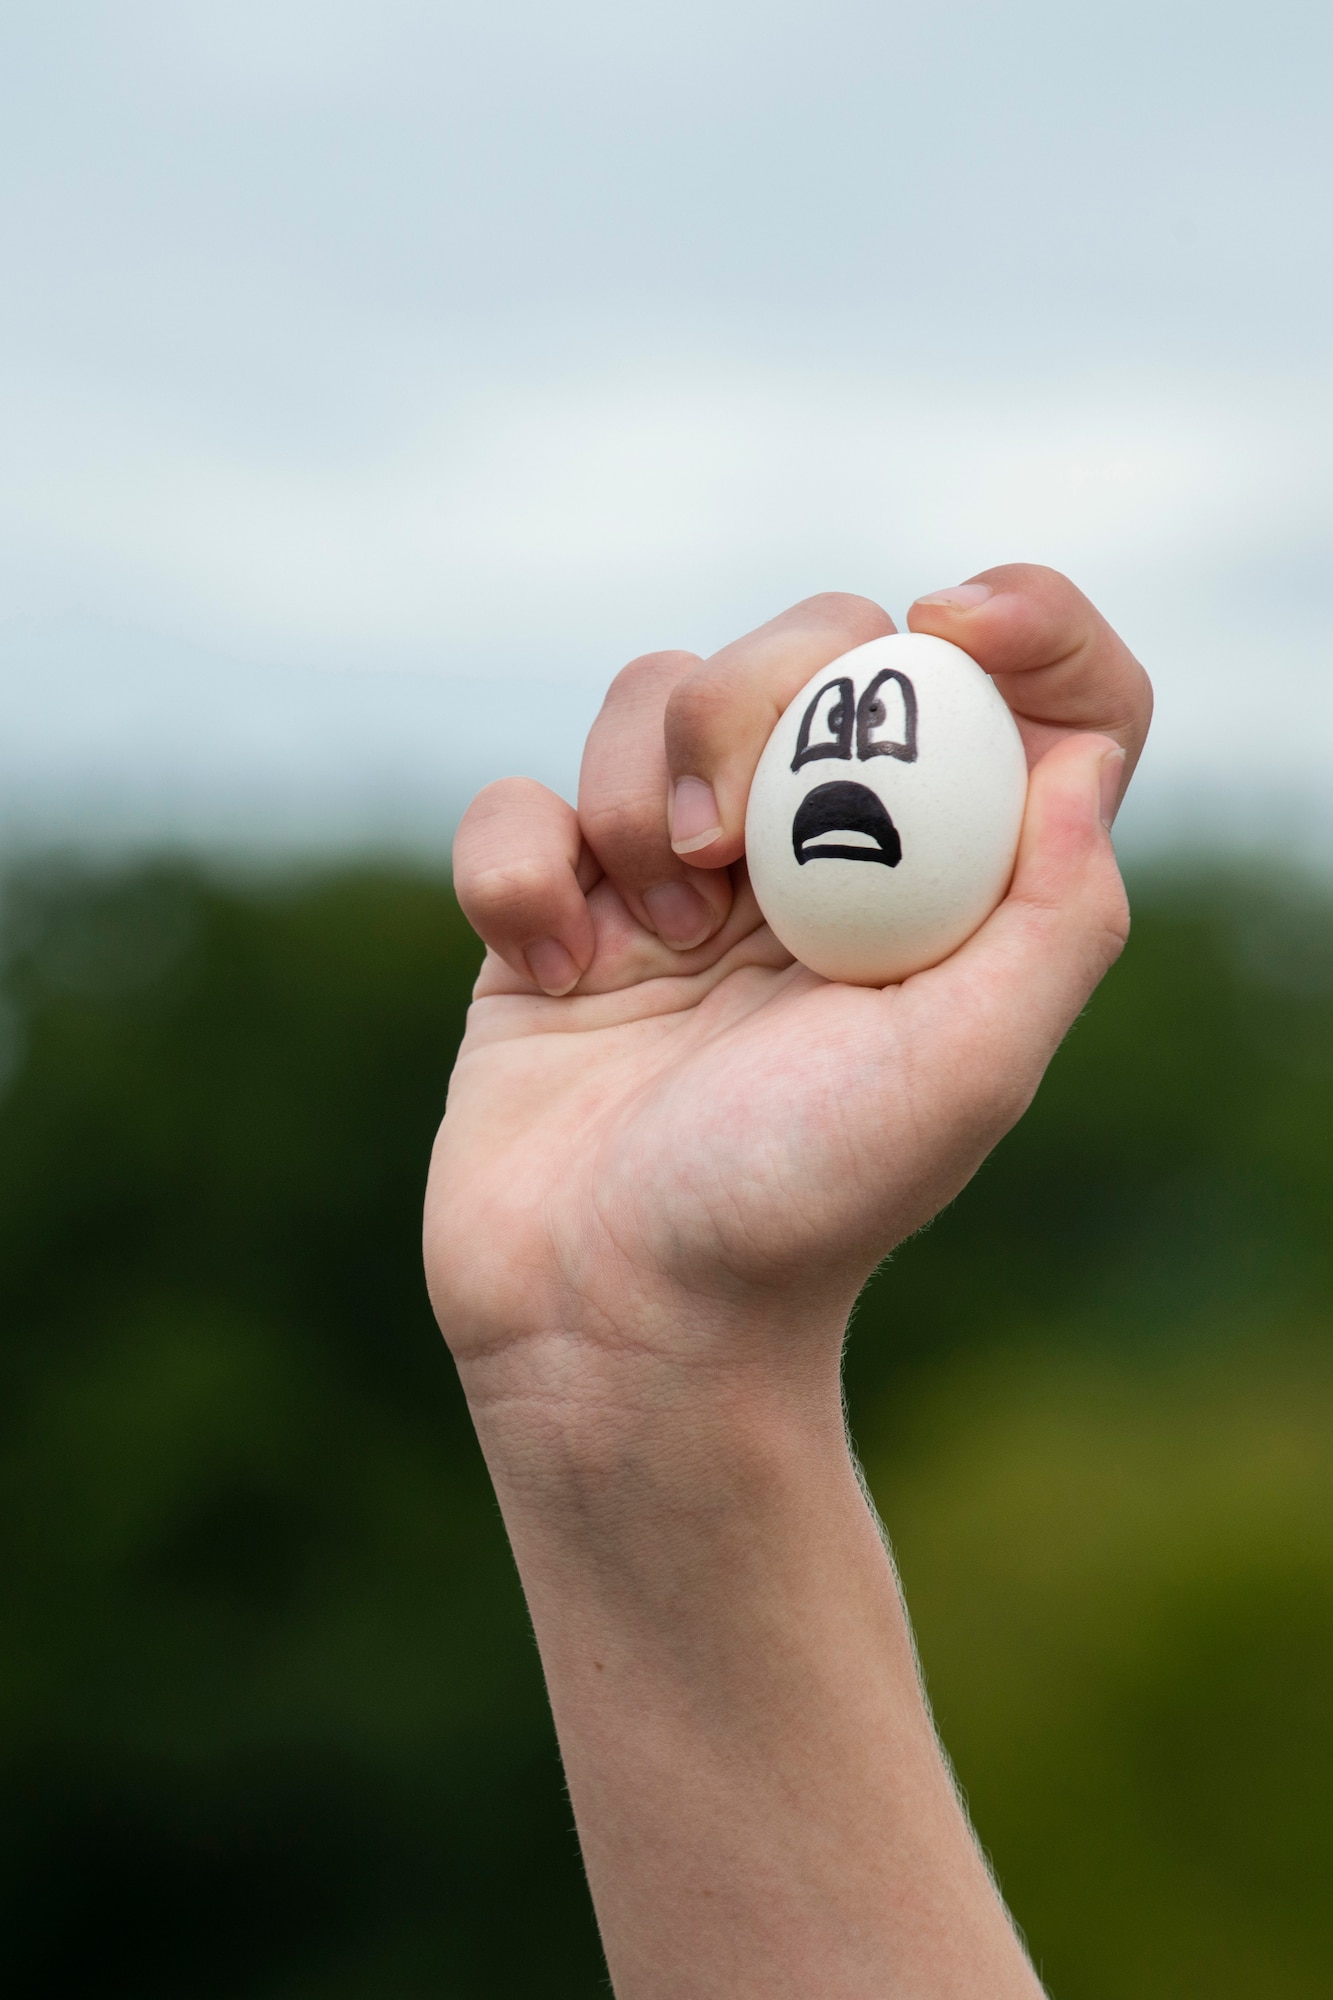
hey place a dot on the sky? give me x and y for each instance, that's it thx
(375, 379)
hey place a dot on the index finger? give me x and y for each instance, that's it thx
(719, 717)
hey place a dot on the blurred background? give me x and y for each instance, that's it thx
(375, 380)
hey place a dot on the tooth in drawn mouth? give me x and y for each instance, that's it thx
(845, 808)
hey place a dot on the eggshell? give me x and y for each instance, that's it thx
(884, 815)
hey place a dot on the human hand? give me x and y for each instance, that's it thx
(651, 1205)
(700, 1123)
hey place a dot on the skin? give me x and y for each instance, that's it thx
(658, 1188)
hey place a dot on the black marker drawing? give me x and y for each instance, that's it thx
(872, 713)
(869, 714)
(838, 720)
(842, 807)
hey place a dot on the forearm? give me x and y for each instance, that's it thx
(761, 1801)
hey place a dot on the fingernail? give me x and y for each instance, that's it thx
(1111, 773)
(695, 819)
(961, 597)
(551, 966)
(679, 914)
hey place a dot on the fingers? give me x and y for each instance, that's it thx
(1053, 656)
(720, 715)
(674, 727)
(1009, 995)
(623, 808)
(520, 875)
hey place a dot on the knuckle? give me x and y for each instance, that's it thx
(644, 675)
(1053, 579)
(700, 715)
(485, 804)
(845, 607)
(1114, 920)
(615, 821)
(1032, 578)
(493, 806)
(505, 891)
(621, 824)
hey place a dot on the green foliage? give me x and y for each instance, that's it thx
(271, 1722)
(270, 1714)
(1122, 1582)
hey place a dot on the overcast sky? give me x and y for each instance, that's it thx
(410, 344)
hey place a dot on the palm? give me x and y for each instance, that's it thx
(745, 1123)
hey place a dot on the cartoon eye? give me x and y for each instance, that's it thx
(888, 706)
(828, 720)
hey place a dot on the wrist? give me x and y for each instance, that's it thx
(600, 1430)
(659, 1522)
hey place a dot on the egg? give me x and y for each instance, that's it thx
(884, 814)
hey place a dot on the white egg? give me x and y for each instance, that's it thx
(884, 815)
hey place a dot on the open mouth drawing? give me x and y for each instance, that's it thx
(853, 811)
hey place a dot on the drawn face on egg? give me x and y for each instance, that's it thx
(842, 819)
(885, 809)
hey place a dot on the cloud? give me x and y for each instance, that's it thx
(519, 339)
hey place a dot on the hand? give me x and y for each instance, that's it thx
(701, 1120)
(651, 1205)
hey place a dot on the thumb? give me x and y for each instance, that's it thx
(1010, 994)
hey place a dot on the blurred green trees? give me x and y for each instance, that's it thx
(271, 1721)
